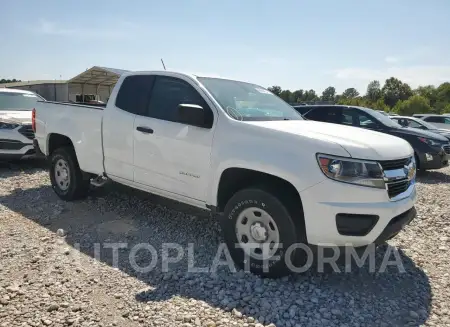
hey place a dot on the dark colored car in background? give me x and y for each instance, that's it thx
(414, 122)
(432, 151)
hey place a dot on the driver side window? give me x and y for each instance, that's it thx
(169, 92)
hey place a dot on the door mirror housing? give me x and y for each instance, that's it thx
(191, 114)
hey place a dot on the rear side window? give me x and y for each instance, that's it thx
(318, 114)
(168, 93)
(329, 115)
(134, 94)
(432, 119)
(435, 119)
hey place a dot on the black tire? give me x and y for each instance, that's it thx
(288, 232)
(419, 170)
(78, 185)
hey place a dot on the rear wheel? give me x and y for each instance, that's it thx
(259, 229)
(68, 181)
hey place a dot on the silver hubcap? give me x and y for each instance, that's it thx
(62, 176)
(257, 233)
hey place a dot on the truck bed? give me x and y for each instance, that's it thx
(81, 123)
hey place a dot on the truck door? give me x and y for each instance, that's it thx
(118, 124)
(169, 155)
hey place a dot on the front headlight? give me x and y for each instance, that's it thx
(4, 125)
(429, 141)
(353, 171)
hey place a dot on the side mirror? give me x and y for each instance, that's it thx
(191, 114)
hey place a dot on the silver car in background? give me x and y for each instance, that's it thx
(16, 134)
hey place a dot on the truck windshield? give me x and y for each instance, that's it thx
(245, 101)
(18, 101)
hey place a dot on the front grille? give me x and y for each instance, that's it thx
(394, 164)
(27, 131)
(397, 187)
(446, 149)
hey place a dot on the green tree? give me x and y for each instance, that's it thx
(379, 105)
(286, 95)
(6, 81)
(429, 92)
(358, 101)
(414, 105)
(398, 107)
(373, 93)
(442, 97)
(310, 96)
(329, 94)
(350, 93)
(395, 90)
(446, 109)
(275, 89)
(298, 95)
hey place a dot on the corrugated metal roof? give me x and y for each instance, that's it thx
(95, 75)
(115, 70)
(98, 76)
(29, 83)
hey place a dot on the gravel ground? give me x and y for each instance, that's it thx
(52, 273)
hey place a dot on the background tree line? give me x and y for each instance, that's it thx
(393, 96)
(5, 81)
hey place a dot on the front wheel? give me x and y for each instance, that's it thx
(66, 176)
(260, 232)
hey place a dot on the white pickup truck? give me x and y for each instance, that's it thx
(275, 180)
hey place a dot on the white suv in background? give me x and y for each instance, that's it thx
(16, 134)
(440, 121)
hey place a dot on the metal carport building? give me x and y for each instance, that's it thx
(95, 83)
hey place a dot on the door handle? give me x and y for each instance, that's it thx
(145, 130)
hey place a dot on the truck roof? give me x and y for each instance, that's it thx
(193, 75)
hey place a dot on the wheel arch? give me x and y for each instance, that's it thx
(234, 179)
(56, 140)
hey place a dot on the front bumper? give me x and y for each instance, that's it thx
(15, 144)
(396, 225)
(440, 159)
(321, 216)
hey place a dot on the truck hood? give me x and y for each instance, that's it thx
(358, 142)
(16, 116)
